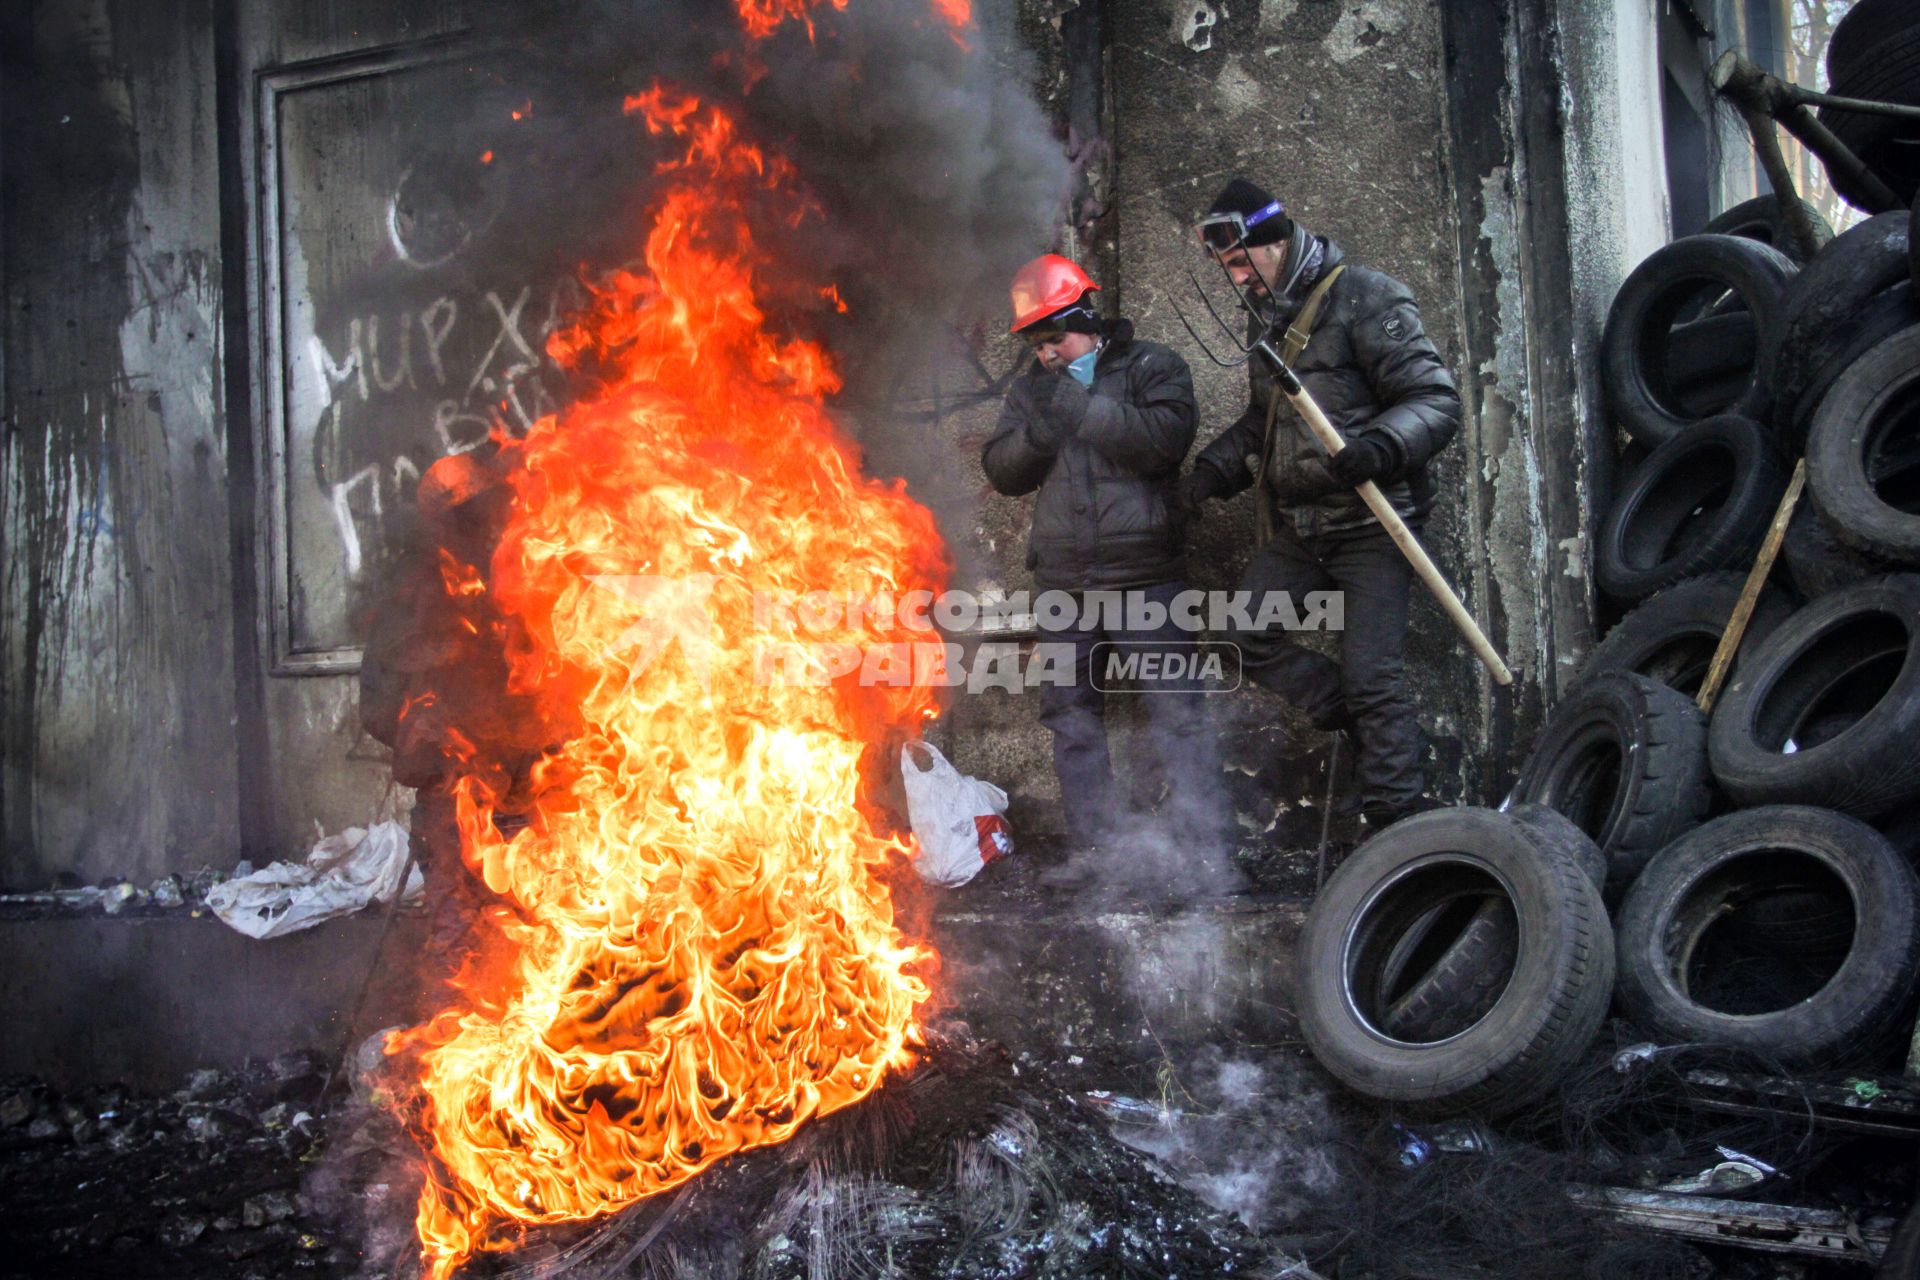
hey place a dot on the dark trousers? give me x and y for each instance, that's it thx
(1187, 751)
(1367, 689)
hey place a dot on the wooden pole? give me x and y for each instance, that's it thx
(1423, 567)
(1749, 594)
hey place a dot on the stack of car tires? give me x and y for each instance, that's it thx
(1743, 878)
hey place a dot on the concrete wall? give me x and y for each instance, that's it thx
(1503, 158)
(116, 645)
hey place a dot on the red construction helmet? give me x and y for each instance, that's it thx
(1045, 285)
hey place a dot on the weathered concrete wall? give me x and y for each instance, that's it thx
(116, 644)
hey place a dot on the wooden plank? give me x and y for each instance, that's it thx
(1756, 580)
(1768, 1228)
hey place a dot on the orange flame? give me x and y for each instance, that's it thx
(762, 18)
(704, 958)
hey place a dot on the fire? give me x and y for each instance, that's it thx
(703, 957)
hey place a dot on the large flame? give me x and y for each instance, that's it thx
(703, 956)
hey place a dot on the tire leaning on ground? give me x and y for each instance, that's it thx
(1624, 758)
(1700, 502)
(1827, 710)
(1539, 1023)
(1670, 284)
(1458, 988)
(1824, 308)
(1677, 977)
(1672, 634)
(1863, 452)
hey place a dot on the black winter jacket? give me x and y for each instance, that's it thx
(1371, 368)
(1105, 462)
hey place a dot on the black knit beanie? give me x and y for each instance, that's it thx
(1265, 216)
(1078, 316)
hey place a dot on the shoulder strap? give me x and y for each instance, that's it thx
(1302, 327)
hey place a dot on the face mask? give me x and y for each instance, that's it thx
(1082, 369)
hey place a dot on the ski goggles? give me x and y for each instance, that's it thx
(1073, 319)
(1222, 232)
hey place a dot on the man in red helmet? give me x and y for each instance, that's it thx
(1099, 426)
(1353, 335)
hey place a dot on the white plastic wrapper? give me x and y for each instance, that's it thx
(959, 822)
(341, 875)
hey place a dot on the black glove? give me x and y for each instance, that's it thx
(1047, 427)
(1366, 457)
(1197, 486)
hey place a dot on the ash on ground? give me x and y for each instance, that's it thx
(1234, 1161)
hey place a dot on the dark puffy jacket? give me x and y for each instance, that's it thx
(1105, 462)
(1371, 368)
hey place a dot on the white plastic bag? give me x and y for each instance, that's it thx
(959, 822)
(342, 874)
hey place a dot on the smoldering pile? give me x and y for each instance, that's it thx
(968, 1167)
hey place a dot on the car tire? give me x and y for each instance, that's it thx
(1817, 562)
(1463, 984)
(1823, 310)
(1887, 71)
(1671, 919)
(1827, 710)
(1863, 452)
(1700, 502)
(1541, 1022)
(1671, 636)
(1634, 348)
(1624, 758)
(1763, 219)
(1864, 27)
(1551, 824)
(1460, 987)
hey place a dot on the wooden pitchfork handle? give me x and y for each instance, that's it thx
(1423, 567)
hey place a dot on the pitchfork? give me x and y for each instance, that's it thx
(1330, 439)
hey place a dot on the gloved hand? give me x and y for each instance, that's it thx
(1047, 427)
(1196, 487)
(1307, 480)
(1366, 457)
